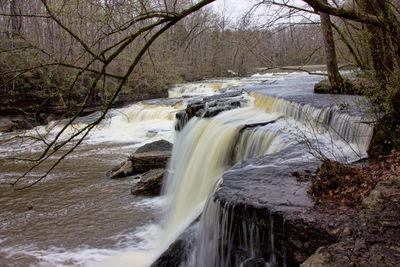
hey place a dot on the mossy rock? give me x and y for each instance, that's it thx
(358, 86)
(386, 136)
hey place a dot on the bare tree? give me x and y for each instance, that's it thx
(334, 77)
(142, 29)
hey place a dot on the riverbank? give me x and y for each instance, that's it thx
(372, 236)
(27, 105)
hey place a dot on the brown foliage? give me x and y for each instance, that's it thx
(349, 185)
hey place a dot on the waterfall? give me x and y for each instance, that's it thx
(203, 150)
(139, 121)
(224, 224)
(342, 126)
(254, 142)
(206, 148)
(215, 237)
(195, 89)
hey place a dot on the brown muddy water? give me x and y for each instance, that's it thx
(76, 215)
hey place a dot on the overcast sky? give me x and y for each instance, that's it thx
(233, 8)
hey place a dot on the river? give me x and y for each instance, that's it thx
(76, 216)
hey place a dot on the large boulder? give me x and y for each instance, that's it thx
(150, 156)
(160, 145)
(144, 162)
(150, 183)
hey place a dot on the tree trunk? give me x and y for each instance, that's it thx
(335, 79)
(380, 43)
(15, 20)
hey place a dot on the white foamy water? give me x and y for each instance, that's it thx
(97, 222)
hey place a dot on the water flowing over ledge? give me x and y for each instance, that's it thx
(258, 215)
(230, 164)
(262, 212)
(351, 129)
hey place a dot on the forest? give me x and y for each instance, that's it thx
(68, 57)
(64, 60)
(45, 44)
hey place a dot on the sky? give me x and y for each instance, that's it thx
(234, 8)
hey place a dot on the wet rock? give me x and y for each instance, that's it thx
(181, 119)
(209, 107)
(178, 253)
(269, 205)
(122, 170)
(259, 262)
(150, 156)
(172, 257)
(160, 145)
(150, 184)
(143, 162)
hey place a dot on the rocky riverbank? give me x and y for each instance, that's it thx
(345, 229)
(373, 235)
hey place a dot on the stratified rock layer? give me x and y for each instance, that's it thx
(210, 106)
(262, 194)
(150, 156)
(150, 183)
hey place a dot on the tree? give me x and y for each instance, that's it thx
(381, 20)
(334, 77)
(107, 45)
(148, 21)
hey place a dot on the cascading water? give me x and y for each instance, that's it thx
(196, 89)
(206, 148)
(341, 125)
(203, 151)
(224, 240)
(214, 244)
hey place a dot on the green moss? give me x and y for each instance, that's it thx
(357, 86)
(386, 136)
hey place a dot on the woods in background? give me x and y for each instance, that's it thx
(45, 43)
(69, 57)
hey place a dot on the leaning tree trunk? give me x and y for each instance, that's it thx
(335, 79)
